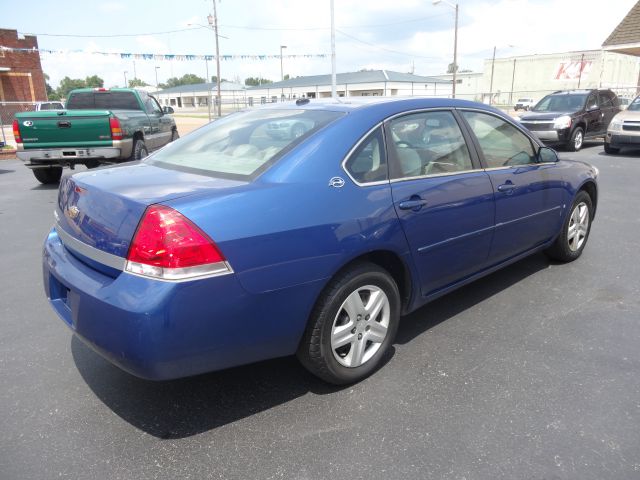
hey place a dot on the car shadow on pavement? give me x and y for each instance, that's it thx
(186, 407)
(466, 297)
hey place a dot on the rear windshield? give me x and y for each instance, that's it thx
(561, 103)
(103, 101)
(243, 145)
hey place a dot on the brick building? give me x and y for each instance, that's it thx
(21, 77)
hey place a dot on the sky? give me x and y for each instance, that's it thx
(401, 35)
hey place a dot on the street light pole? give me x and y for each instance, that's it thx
(455, 44)
(157, 87)
(333, 52)
(493, 64)
(125, 79)
(281, 69)
(213, 21)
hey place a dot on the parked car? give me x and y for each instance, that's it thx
(624, 129)
(569, 117)
(100, 126)
(524, 103)
(288, 129)
(53, 105)
(229, 247)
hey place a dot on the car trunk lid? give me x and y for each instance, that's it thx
(102, 208)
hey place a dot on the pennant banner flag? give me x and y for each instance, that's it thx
(166, 57)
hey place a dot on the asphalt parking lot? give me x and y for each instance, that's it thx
(530, 373)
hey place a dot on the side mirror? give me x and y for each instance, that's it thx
(591, 108)
(547, 155)
(167, 110)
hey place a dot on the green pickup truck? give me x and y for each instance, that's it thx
(99, 126)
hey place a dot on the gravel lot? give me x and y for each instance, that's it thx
(530, 373)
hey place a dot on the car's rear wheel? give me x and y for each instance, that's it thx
(139, 150)
(609, 149)
(352, 325)
(576, 140)
(174, 135)
(48, 176)
(575, 230)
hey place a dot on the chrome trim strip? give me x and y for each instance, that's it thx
(453, 239)
(435, 175)
(498, 225)
(178, 275)
(90, 252)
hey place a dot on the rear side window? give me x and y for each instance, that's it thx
(103, 101)
(242, 145)
(427, 143)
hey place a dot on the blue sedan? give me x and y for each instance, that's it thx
(230, 246)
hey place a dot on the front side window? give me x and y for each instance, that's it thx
(368, 163)
(428, 143)
(242, 145)
(502, 144)
(592, 102)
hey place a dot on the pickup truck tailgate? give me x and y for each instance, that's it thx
(71, 128)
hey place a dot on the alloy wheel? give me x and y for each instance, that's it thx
(360, 326)
(578, 227)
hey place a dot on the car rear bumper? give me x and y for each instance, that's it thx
(45, 157)
(163, 330)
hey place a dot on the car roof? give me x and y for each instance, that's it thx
(400, 104)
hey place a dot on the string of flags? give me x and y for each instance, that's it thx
(165, 57)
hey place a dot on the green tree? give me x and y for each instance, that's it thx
(214, 79)
(67, 84)
(94, 81)
(136, 82)
(255, 81)
(51, 93)
(286, 76)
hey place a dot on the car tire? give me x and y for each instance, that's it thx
(575, 230)
(339, 348)
(48, 176)
(576, 140)
(174, 135)
(610, 149)
(139, 150)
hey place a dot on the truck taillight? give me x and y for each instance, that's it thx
(16, 132)
(116, 130)
(168, 246)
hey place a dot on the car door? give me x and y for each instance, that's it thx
(608, 107)
(441, 195)
(152, 130)
(165, 124)
(593, 116)
(528, 192)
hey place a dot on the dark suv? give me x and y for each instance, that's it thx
(568, 117)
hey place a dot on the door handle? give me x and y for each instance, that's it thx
(506, 187)
(415, 203)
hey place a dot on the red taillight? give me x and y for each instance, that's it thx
(116, 130)
(16, 132)
(169, 246)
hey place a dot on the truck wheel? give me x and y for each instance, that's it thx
(139, 150)
(48, 176)
(609, 149)
(174, 135)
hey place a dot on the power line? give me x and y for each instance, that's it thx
(386, 49)
(106, 36)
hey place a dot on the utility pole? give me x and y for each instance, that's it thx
(135, 75)
(125, 79)
(581, 67)
(206, 64)
(455, 55)
(493, 62)
(281, 68)
(513, 79)
(214, 22)
(333, 53)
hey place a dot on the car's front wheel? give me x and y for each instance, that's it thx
(352, 325)
(609, 149)
(576, 140)
(575, 230)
